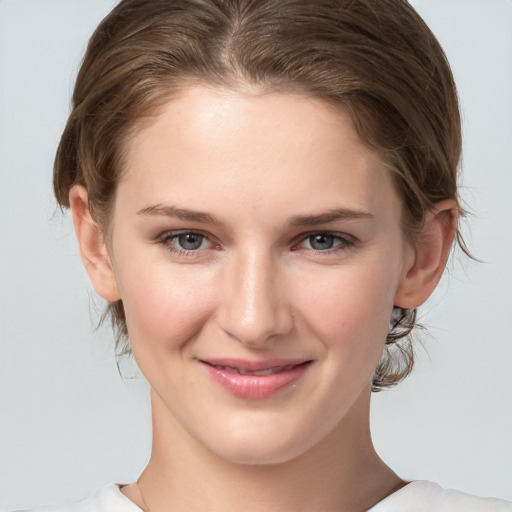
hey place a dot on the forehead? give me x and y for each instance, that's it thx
(257, 148)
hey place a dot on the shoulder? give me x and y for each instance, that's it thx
(421, 496)
(108, 499)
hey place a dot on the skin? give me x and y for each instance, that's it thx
(264, 168)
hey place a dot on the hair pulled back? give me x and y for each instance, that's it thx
(375, 58)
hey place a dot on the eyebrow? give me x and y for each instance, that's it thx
(180, 213)
(330, 216)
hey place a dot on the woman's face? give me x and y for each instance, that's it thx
(257, 249)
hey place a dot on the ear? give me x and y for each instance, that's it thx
(423, 273)
(92, 246)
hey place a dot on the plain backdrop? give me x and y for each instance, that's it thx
(69, 424)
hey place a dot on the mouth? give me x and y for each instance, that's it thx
(268, 371)
(253, 380)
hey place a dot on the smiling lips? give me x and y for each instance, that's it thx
(255, 380)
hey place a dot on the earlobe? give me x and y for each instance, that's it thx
(92, 246)
(430, 255)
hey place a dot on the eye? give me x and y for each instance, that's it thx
(189, 241)
(321, 241)
(185, 242)
(325, 242)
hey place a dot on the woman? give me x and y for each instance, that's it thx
(264, 192)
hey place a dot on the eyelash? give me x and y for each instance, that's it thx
(166, 240)
(344, 241)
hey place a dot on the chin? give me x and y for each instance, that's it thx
(257, 447)
(259, 455)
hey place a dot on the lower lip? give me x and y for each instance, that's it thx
(256, 387)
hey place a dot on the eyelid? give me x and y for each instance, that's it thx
(172, 233)
(166, 238)
(347, 241)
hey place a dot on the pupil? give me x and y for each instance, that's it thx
(190, 241)
(321, 242)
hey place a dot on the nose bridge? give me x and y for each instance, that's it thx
(256, 306)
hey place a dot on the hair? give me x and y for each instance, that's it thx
(377, 59)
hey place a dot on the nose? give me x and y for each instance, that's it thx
(254, 307)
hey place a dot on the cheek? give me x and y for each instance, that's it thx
(349, 309)
(164, 306)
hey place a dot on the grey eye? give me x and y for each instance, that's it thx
(190, 241)
(321, 242)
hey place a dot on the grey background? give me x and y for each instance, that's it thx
(69, 424)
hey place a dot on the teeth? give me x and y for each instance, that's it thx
(259, 372)
(268, 371)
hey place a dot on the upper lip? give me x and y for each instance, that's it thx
(254, 366)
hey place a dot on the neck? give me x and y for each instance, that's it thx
(342, 472)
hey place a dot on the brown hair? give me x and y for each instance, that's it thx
(375, 58)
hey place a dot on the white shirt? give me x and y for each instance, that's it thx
(422, 496)
(418, 496)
